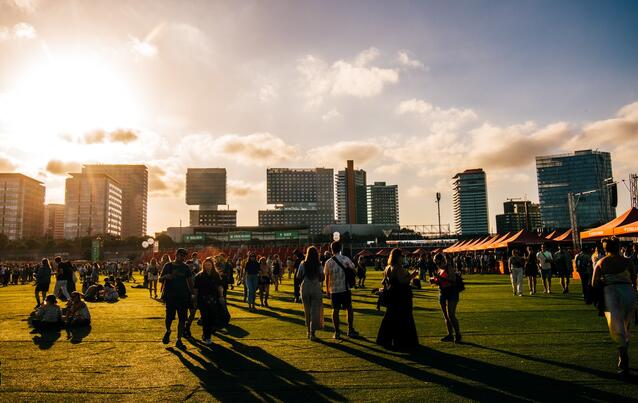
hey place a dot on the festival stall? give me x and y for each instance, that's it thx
(610, 228)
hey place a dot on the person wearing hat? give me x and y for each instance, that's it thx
(178, 294)
(48, 315)
(77, 313)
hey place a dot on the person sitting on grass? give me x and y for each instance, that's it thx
(109, 293)
(120, 287)
(77, 312)
(94, 293)
(49, 315)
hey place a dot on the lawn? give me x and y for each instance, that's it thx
(531, 348)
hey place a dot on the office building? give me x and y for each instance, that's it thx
(582, 171)
(518, 215)
(470, 202)
(206, 188)
(300, 197)
(21, 206)
(383, 203)
(352, 207)
(93, 206)
(54, 221)
(133, 181)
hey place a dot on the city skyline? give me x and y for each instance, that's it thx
(391, 86)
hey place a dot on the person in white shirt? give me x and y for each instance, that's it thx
(338, 289)
(545, 259)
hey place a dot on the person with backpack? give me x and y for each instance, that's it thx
(545, 262)
(585, 269)
(42, 281)
(448, 281)
(340, 278)
(60, 279)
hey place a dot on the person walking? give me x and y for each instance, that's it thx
(251, 279)
(564, 268)
(338, 289)
(152, 275)
(178, 285)
(545, 261)
(398, 330)
(208, 290)
(531, 269)
(516, 264)
(265, 278)
(42, 281)
(60, 279)
(618, 277)
(446, 278)
(585, 269)
(361, 272)
(310, 276)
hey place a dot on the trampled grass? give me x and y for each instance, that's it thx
(540, 348)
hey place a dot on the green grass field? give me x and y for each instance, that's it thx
(540, 348)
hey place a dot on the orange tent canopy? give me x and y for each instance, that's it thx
(454, 248)
(522, 237)
(481, 245)
(469, 245)
(604, 230)
(564, 237)
(450, 248)
(552, 234)
(630, 229)
(496, 243)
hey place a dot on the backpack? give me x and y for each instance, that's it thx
(350, 275)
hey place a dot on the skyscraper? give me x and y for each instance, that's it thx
(518, 215)
(206, 188)
(581, 171)
(383, 203)
(21, 206)
(470, 202)
(352, 207)
(54, 221)
(93, 206)
(300, 196)
(133, 181)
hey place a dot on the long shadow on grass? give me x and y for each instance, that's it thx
(249, 373)
(479, 380)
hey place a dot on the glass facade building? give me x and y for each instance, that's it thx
(581, 171)
(470, 202)
(206, 187)
(21, 206)
(383, 203)
(518, 215)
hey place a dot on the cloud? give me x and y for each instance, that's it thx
(239, 189)
(438, 119)
(26, 6)
(337, 154)
(257, 148)
(389, 169)
(100, 136)
(344, 78)
(57, 167)
(21, 30)
(404, 59)
(164, 184)
(610, 132)
(332, 114)
(268, 93)
(6, 164)
(141, 47)
(123, 136)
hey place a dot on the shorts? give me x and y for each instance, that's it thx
(152, 277)
(565, 272)
(448, 294)
(341, 300)
(264, 280)
(42, 287)
(546, 274)
(181, 310)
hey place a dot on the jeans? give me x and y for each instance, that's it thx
(60, 285)
(516, 276)
(311, 296)
(252, 282)
(206, 311)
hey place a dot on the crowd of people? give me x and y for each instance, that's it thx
(188, 284)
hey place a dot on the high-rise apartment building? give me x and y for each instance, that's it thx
(518, 215)
(470, 202)
(352, 207)
(54, 221)
(206, 188)
(582, 171)
(383, 203)
(93, 206)
(300, 196)
(133, 181)
(21, 206)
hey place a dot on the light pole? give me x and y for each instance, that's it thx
(438, 209)
(572, 204)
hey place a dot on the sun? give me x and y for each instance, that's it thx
(70, 95)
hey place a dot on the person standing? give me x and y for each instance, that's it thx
(276, 271)
(152, 275)
(564, 268)
(545, 260)
(296, 291)
(60, 279)
(446, 278)
(361, 272)
(531, 269)
(251, 279)
(618, 277)
(42, 281)
(585, 270)
(310, 276)
(338, 289)
(178, 285)
(265, 278)
(515, 264)
(208, 291)
(398, 330)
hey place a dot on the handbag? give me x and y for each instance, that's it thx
(460, 284)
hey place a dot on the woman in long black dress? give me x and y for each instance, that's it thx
(398, 330)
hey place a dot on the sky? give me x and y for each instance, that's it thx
(413, 91)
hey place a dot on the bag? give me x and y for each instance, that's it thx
(460, 284)
(383, 295)
(351, 279)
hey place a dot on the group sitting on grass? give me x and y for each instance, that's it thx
(49, 315)
(111, 291)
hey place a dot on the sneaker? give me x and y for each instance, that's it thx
(520, 295)
(448, 338)
(208, 342)
(167, 337)
(531, 293)
(180, 345)
(352, 333)
(337, 335)
(458, 339)
(313, 337)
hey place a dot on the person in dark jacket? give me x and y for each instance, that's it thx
(42, 281)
